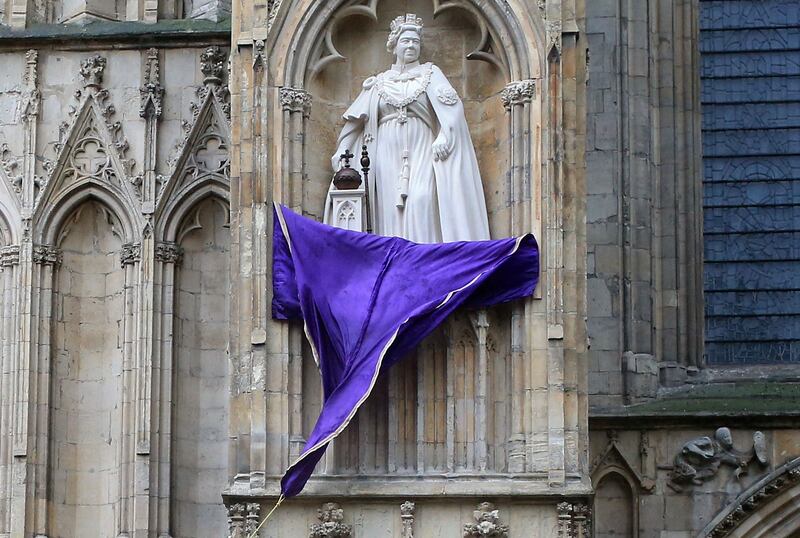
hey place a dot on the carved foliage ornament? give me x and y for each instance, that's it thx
(331, 517)
(130, 253)
(47, 255)
(242, 519)
(574, 520)
(212, 64)
(407, 519)
(92, 69)
(168, 252)
(295, 100)
(487, 523)
(151, 92)
(518, 92)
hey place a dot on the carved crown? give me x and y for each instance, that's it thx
(410, 20)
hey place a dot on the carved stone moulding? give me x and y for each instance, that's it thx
(243, 519)
(9, 256)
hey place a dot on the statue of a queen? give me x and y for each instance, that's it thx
(426, 186)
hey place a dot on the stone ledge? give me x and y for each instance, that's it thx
(116, 31)
(420, 487)
(760, 400)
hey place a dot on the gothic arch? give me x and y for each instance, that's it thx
(175, 214)
(625, 509)
(768, 508)
(52, 221)
(521, 38)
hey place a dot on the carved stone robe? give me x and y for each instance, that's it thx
(412, 195)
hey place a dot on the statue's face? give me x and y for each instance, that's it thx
(408, 46)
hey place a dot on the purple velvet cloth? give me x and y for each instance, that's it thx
(368, 300)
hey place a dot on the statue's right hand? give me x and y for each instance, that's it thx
(335, 160)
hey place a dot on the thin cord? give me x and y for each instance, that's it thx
(277, 504)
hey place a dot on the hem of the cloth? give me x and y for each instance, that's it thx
(330, 437)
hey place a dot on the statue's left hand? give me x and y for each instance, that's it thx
(441, 149)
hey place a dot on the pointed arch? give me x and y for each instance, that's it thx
(202, 168)
(10, 215)
(51, 223)
(88, 166)
(768, 508)
(520, 36)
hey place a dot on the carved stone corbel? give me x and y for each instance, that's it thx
(487, 523)
(331, 524)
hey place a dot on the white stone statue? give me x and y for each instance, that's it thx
(425, 184)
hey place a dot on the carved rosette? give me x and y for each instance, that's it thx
(151, 92)
(9, 256)
(295, 100)
(168, 252)
(407, 519)
(47, 255)
(243, 519)
(518, 93)
(331, 525)
(487, 523)
(130, 253)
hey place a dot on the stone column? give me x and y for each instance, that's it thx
(517, 97)
(295, 106)
(167, 256)
(259, 346)
(31, 447)
(9, 265)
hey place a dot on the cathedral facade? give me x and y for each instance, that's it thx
(648, 388)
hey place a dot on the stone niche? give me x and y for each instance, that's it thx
(448, 39)
(446, 408)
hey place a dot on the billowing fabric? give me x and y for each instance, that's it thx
(445, 198)
(368, 300)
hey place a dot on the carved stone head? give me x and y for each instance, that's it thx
(723, 437)
(408, 28)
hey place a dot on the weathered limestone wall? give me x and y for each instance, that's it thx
(130, 132)
(519, 440)
(637, 464)
(643, 197)
(200, 397)
(87, 378)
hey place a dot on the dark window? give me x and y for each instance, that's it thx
(750, 52)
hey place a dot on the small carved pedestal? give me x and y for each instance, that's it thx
(348, 209)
